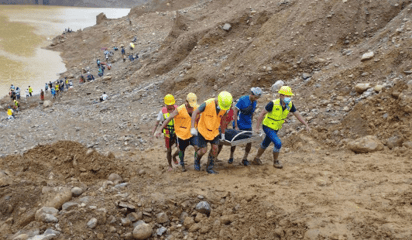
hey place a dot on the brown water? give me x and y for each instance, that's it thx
(24, 30)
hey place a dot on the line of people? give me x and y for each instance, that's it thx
(198, 125)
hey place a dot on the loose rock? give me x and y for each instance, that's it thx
(92, 223)
(366, 144)
(367, 56)
(361, 87)
(69, 206)
(162, 218)
(142, 231)
(46, 214)
(76, 191)
(203, 207)
(227, 27)
(115, 178)
(278, 84)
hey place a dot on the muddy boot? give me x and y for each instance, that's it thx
(183, 166)
(276, 162)
(197, 164)
(210, 165)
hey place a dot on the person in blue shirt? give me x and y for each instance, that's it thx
(243, 115)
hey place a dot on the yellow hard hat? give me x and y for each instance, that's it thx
(169, 99)
(192, 99)
(225, 100)
(286, 90)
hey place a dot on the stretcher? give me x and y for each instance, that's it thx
(237, 140)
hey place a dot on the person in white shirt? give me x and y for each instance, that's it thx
(103, 97)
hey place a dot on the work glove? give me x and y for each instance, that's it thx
(222, 136)
(193, 131)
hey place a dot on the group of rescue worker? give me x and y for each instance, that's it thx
(197, 125)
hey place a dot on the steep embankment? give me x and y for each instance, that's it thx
(347, 179)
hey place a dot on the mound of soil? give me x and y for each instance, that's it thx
(60, 161)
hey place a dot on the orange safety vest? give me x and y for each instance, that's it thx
(210, 121)
(183, 122)
(169, 129)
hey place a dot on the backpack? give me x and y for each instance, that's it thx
(123, 51)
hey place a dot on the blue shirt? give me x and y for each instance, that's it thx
(245, 113)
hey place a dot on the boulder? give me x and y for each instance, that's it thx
(57, 200)
(188, 222)
(115, 178)
(378, 88)
(394, 141)
(365, 144)
(362, 87)
(367, 56)
(107, 78)
(278, 84)
(203, 207)
(76, 191)
(227, 27)
(306, 76)
(69, 206)
(142, 231)
(92, 223)
(135, 216)
(162, 218)
(46, 215)
(47, 103)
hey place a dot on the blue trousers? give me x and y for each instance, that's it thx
(271, 136)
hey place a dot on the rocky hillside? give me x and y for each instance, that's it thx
(93, 170)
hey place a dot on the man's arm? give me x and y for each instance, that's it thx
(172, 115)
(194, 115)
(235, 112)
(224, 124)
(260, 119)
(300, 118)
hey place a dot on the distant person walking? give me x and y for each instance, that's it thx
(53, 92)
(10, 113)
(18, 93)
(42, 95)
(30, 91)
(16, 105)
(27, 93)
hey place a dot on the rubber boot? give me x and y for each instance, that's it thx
(197, 163)
(210, 165)
(182, 162)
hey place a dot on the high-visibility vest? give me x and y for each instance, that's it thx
(169, 129)
(209, 122)
(30, 90)
(9, 112)
(57, 87)
(277, 116)
(183, 123)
